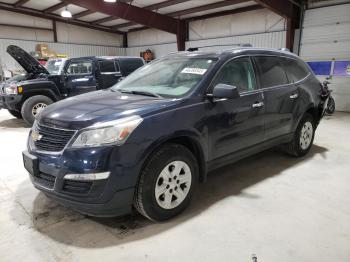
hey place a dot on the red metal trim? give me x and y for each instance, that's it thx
(290, 34)
(27, 27)
(54, 28)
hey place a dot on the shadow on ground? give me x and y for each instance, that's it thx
(69, 227)
(12, 123)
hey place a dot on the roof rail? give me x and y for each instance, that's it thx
(285, 49)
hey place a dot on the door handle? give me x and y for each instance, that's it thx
(258, 104)
(293, 96)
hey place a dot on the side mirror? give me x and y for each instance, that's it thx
(222, 91)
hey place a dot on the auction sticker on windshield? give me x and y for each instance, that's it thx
(196, 71)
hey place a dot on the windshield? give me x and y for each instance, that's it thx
(54, 67)
(170, 78)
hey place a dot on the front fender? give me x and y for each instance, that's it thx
(46, 87)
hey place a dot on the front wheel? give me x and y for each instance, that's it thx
(167, 183)
(32, 107)
(303, 137)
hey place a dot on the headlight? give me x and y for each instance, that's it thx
(10, 89)
(113, 132)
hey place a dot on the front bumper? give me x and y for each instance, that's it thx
(106, 197)
(11, 102)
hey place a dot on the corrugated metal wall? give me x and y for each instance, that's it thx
(270, 40)
(72, 50)
(326, 37)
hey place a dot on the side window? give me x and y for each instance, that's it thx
(238, 72)
(295, 69)
(107, 66)
(130, 65)
(80, 67)
(271, 72)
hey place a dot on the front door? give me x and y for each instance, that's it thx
(236, 124)
(79, 77)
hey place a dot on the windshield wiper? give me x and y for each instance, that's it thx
(140, 92)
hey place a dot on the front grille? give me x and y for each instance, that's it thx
(77, 187)
(53, 140)
(45, 180)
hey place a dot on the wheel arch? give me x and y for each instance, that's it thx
(187, 140)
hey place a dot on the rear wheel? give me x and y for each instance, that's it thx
(303, 137)
(32, 107)
(167, 183)
(330, 106)
(16, 114)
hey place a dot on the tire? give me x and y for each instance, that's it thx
(16, 114)
(154, 190)
(303, 137)
(330, 106)
(29, 106)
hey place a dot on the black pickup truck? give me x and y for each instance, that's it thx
(60, 78)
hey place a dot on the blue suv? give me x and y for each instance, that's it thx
(151, 138)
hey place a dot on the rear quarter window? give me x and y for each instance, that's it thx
(271, 71)
(296, 70)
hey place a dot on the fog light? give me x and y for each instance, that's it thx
(91, 176)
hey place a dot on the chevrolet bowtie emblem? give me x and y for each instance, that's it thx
(36, 136)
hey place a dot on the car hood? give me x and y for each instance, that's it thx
(100, 106)
(29, 63)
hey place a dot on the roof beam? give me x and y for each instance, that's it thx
(84, 13)
(104, 20)
(40, 14)
(132, 13)
(20, 2)
(285, 9)
(55, 7)
(191, 10)
(149, 7)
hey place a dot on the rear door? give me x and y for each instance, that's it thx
(109, 73)
(280, 96)
(79, 77)
(236, 124)
(129, 65)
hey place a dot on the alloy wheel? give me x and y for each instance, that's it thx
(306, 134)
(173, 184)
(37, 108)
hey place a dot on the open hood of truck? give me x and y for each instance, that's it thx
(29, 63)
